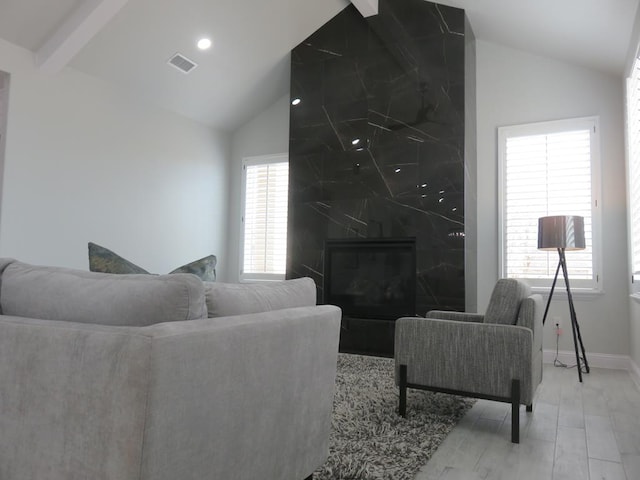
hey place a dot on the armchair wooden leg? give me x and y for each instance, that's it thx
(530, 408)
(402, 409)
(515, 411)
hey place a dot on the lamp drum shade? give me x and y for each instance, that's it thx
(561, 231)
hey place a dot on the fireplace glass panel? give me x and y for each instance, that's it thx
(373, 279)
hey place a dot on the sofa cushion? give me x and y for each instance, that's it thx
(225, 299)
(87, 297)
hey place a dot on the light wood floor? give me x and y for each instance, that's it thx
(588, 431)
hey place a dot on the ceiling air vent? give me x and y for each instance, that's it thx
(182, 63)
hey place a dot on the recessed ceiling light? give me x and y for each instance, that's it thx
(295, 101)
(204, 43)
(355, 141)
(397, 170)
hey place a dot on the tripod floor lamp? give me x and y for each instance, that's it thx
(563, 233)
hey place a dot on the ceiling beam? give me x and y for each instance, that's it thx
(367, 8)
(79, 28)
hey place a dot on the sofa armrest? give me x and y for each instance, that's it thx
(472, 357)
(248, 396)
(72, 399)
(456, 316)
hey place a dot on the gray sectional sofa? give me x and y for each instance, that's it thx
(122, 377)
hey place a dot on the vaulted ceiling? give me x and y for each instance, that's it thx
(128, 42)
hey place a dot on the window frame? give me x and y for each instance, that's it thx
(595, 286)
(246, 162)
(634, 286)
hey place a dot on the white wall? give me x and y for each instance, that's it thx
(86, 163)
(513, 88)
(266, 134)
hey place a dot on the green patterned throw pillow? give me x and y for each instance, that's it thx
(103, 260)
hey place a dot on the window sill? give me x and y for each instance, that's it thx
(261, 279)
(576, 293)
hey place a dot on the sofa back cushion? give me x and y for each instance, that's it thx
(224, 299)
(87, 297)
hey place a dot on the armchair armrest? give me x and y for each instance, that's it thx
(457, 316)
(472, 357)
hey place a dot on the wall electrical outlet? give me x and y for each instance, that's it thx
(557, 324)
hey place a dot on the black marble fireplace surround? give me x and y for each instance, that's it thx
(377, 149)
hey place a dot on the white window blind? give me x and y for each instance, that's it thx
(266, 187)
(547, 169)
(633, 145)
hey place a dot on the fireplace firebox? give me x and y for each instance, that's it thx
(373, 281)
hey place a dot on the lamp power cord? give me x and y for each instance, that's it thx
(560, 364)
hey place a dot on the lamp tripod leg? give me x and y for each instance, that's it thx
(577, 333)
(575, 327)
(553, 287)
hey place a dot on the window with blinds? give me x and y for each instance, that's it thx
(265, 191)
(548, 169)
(633, 159)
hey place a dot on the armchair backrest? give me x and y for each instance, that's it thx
(505, 301)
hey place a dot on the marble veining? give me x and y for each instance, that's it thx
(377, 141)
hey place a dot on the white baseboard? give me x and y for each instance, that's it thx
(634, 371)
(596, 360)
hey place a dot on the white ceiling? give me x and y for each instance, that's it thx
(593, 33)
(128, 42)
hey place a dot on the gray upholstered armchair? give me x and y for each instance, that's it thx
(495, 356)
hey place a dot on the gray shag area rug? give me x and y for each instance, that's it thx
(369, 440)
